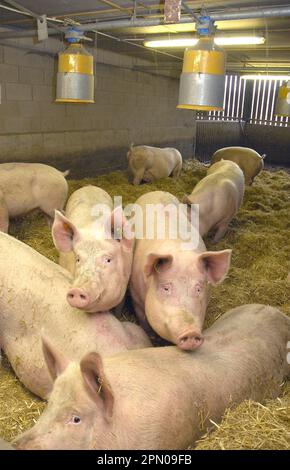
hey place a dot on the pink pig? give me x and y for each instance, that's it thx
(170, 285)
(100, 266)
(33, 301)
(219, 196)
(28, 186)
(162, 398)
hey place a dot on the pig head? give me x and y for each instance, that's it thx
(177, 293)
(102, 262)
(80, 407)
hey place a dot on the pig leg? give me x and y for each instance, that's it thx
(4, 216)
(51, 202)
(48, 208)
(177, 170)
(221, 231)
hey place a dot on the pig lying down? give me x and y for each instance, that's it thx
(101, 267)
(28, 186)
(170, 285)
(250, 161)
(33, 301)
(161, 396)
(151, 163)
(219, 196)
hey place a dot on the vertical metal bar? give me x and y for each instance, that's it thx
(229, 96)
(273, 103)
(262, 102)
(239, 97)
(225, 97)
(268, 101)
(253, 100)
(243, 98)
(282, 118)
(234, 97)
(258, 101)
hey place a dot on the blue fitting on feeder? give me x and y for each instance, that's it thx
(205, 26)
(73, 35)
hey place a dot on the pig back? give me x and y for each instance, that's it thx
(243, 357)
(250, 162)
(84, 201)
(255, 333)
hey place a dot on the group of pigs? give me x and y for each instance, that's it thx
(106, 386)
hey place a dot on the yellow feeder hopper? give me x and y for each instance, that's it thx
(202, 82)
(75, 77)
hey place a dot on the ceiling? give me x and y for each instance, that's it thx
(274, 55)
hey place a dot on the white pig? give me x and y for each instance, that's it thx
(101, 266)
(250, 161)
(219, 196)
(28, 186)
(152, 163)
(163, 398)
(170, 285)
(33, 300)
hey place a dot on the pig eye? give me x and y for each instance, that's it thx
(198, 289)
(76, 420)
(166, 288)
(107, 259)
(78, 259)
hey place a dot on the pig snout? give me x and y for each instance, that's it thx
(190, 340)
(78, 297)
(29, 445)
(24, 442)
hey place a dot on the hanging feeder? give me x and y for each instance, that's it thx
(282, 107)
(202, 81)
(75, 77)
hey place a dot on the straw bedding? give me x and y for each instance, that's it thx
(259, 236)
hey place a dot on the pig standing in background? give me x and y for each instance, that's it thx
(170, 285)
(250, 161)
(152, 163)
(219, 196)
(33, 301)
(101, 267)
(162, 398)
(28, 186)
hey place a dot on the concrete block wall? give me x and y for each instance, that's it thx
(130, 106)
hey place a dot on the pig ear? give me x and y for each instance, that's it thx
(96, 383)
(157, 263)
(55, 361)
(217, 264)
(120, 229)
(64, 233)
